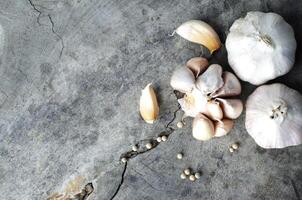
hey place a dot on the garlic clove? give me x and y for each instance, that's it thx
(231, 87)
(232, 108)
(148, 105)
(199, 32)
(213, 110)
(202, 128)
(197, 65)
(223, 127)
(182, 80)
(210, 81)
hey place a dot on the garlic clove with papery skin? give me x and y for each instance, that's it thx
(182, 80)
(274, 116)
(232, 108)
(197, 65)
(199, 32)
(231, 87)
(211, 80)
(202, 128)
(223, 127)
(193, 103)
(213, 110)
(148, 105)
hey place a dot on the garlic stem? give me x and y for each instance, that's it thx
(280, 110)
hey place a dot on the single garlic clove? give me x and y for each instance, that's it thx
(202, 128)
(210, 81)
(232, 108)
(182, 80)
(197, 65)
(148, 105)
(231, 87)
(223, 127)
(213, 110)
(199, 32)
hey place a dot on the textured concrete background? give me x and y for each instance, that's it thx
(71, 76)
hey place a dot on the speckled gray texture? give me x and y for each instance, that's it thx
(71, 75)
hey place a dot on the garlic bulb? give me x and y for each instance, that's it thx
(197, 65)
(261, 47)
(199, 32)
(274, 116)
(202, 128)
(148, 104)
(223, 127)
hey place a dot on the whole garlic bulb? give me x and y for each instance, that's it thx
(261, 47)
(274, 116)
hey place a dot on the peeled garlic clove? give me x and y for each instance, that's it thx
(223, 127)
(231, 87)
(182, 80)
(213, 110)
(148, 105)
(202, 128)
(197, 65)
(232, 108)
(274, 116)
(210, 81)
(199, 32)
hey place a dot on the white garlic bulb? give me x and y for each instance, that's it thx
(261, 47)
(148, 105)
(201, 33)
(274, 116)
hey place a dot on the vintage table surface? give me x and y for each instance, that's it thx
(71, 77)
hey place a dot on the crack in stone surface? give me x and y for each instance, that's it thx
(53, 30)
(121, 182)
(36, 9)
(131, 154)
(52, 25)
(295, 189)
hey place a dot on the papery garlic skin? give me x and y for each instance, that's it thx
(201, 33)
(261, 47)
(149, 108)
(211, 80)
(193, 103)
(231, 87)
(202, 128)
(213, 110)
(223, 127)
(232, 108)
(182, 80)
(274, 116)
(197, 65)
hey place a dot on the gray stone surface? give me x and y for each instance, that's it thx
(71, 75)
